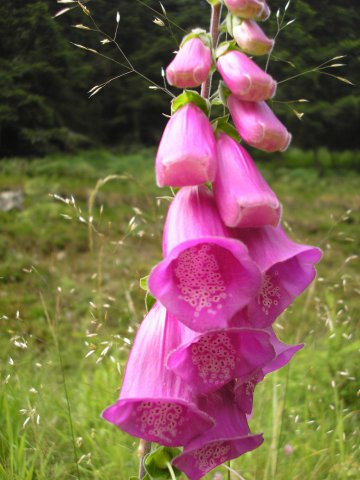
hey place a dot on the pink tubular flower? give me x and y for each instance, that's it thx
(228, 439)
(251, 39)
(154, 404)
(244, 390)
(287, 267)
(206, 277)
(246, 80)
(257, 9)
(258, 126)
(187, 151)
(209, 361)
(191, 65)
(243, 197)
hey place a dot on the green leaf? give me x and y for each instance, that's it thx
(144, 283)
(190, 96)
(156, 463)
(149, 301)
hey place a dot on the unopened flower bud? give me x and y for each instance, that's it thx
(257, 9)
(187, 151)
(258, 126)
(246, 80)
(191, 65)
(251, 39)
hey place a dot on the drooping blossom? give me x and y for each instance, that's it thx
(210, 360)
(287, 267)
(258, 125)
(187, 151)
(243, 197)
(251, 38)
(244, 390)
(206, 276)
(154, 403)
(257, 9)
(245, 79)
(229, 438)
(191, 65)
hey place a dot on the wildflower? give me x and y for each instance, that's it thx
(287, 268)
(257, 9)
(244, 390)
(229, 438)
(187, 151)
(191, 65)
(258, 126)
(205, 277)
(251, 38)
(246, 80)
(154, 404)
(243, 197)
(210, 360)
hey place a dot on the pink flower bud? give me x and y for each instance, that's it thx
(251, 38)
(246, 80)
(258, 126)
(191, 65)
(187, 151)
(257, 9)
(288, 449)
(243, 197)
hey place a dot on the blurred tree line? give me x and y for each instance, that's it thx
(44, 79)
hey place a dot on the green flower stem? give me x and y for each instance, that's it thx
(144, 449)
(214, 32)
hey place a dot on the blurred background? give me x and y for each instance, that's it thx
(81, 222)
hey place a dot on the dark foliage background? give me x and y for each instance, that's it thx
(44, 79)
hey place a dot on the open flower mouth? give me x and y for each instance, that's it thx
(204, 282)
(155, 420)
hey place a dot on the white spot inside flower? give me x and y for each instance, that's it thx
(200, 280)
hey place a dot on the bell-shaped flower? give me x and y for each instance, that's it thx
(191, 65)
(257, 9)
(251, 38)
(243, 197)
(206, 276)
(245, 79)
(258, 125)
(154, 403)
(210, 360)
(244, 390)
(287, 268)
(229, 438)
(187, 150)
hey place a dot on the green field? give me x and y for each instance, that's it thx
(70, 302)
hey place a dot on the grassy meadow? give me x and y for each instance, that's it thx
(70, 302)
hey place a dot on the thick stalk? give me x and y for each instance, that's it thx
(144, 449)
(214, 32)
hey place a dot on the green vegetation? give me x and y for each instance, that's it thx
(70, 303)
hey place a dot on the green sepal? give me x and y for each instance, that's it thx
(156, 462)
(197, 33)
(190, 96)
(225, 47)
(222, 125)
(214, 3)
(143, 282)
(149, 301)
(221, 95)
(232, 21)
